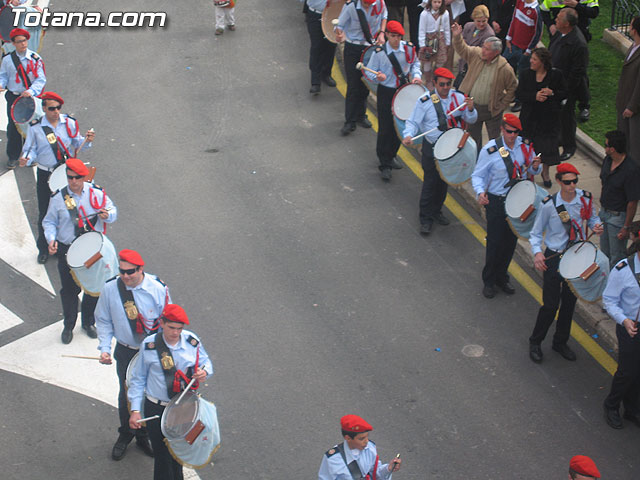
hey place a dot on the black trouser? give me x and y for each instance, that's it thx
(388, 142)
(69, 294)
(413, 12)
(164, 466)
(355, 104)
(625, 386)
(14, 139)
(568, 123)
(555, 292)
(434, 189)
(322, 50)
(501, 243)
(584, 95)
(123, 356)
(44, 195)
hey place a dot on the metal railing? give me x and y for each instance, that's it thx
(622, 12)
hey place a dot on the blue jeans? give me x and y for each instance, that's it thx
(517, 59)
(613, 248)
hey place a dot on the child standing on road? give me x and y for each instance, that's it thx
(434, 38)
(225, 15)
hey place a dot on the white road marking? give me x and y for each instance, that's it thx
(8, 319)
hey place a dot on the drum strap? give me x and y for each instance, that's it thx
(631, 261)
(72, 208)
(508, 163)
(136, 320)
(20, 73)
(442, 118)
(364, 25)
(353, 467)
(571, 226)
(61, 154)
(401, 77)
(166, 362)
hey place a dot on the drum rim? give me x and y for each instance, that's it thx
(59, 167)
(134, 359)
(171, 404)
(458, 150)
(78, 238)
(323, 16)
(572, 246)
(535, 191)
(15, 102)
(393, 100)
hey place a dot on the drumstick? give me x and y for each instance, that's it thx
(185, 390)
(75, 154)
(464, 104)
(147, 419)
(588, 237)
(84, 357)
(360, 66)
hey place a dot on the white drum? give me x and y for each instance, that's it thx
(330, 13)
(93, 260)
(405, 99)
(24, 111)
(586, 269)
(58, 178)
(455, 153)
(521, 206)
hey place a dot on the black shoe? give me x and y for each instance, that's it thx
(441, 219)
(67, 336)
(584, 115)
(11, 164)
(364, 122)
(565, 351)
(517, 106)
(91, 331)
(507, 288)
(612, 416)
(567, 154)
(120, 447)
(385, 174)
(396, 164)
(329, 81)
(347, 128)
(42, 258)
(535, 353)
(314, 90)
(489, 291)
(426, 227)
(144, 444)
(546, 183)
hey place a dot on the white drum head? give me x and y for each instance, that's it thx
(577, 259)
(83, 248)
(405, 100)
(521, 196)
(447, 144)
(58, 178)
(177, 420)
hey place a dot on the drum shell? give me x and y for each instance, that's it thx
(30, 113)
(590, 290)
(456, 165)
(330, 13)
(523, 229)
(93, 278)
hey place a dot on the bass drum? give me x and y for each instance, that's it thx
(364, 59)
(93, 260)
(455, 154)
(330, 13)
(7, 22)
(25, 111)
(403, 103)
(522, 204)
(131, 368)
(586, 269)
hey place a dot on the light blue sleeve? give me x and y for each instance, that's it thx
(138, 381)
(374, 64)
(104, 324)
(611, 297)
(412, 125)
(479, 177)
(535, 236)
(50, 220)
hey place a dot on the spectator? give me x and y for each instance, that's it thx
(620, 178)
(395, 10)
(489, 80)
(628, 97)
(501, 12)
(541, 91)
(414, 9)
(474, 34)
(434, 38)
(570, 54)
(469, 7)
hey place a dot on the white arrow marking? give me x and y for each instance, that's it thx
(8, 319)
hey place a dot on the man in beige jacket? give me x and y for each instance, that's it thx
(490, 81)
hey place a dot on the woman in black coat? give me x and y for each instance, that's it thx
(541, 90)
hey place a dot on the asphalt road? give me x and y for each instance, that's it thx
(303, 273)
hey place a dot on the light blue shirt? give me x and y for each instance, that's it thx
(8, 73)
(380, 62)
(548, 222)
(148, 375)
(490, 174)
(316, 5)
(334, 467)
(424, 117)
(57, 222)
(349, 22)
(150, 297)
(621, 296)
(38, 147)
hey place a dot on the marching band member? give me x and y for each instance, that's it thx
(501, 162)
(356, 456)
(560, 218)
(48, 144)
(430, 113)
(322, 50)
(128, 309)
(362, 22)
(77, 208)
(621, 298)
(168, 361)
(22, 75)
(397, 64)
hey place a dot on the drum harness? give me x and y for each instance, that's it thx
(364, 24)
(60, 152)
(137, 322)
(401, 77)
(444, 124)
(32, 68)
(353, 467)
(79, 216)
(175, 379)
(574, 230)
(514, 170)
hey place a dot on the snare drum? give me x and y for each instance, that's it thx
(522, 204)
(329, 14)
(93, 260)
(585, 268)
(403, 103)
(24, 111)
(191, 429)
(364, 59)
(455, 153)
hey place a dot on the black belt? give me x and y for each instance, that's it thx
(496, 196)
(613, 212)
(157, 401)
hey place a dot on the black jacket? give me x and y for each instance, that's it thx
(570, 54)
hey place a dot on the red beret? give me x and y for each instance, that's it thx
(584, 466)
(567, 168)
(77, 166)
(52, 96)
(512, 120)
(174, 313)
(17, 32)
(354, 424)
(395, 27)
(131, 256)
(370, 2)
(444, 73)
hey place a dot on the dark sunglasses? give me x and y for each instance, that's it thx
(128, 271)
(74, 177)
(569, 182)
(444, 84)
(512, 131)
(52, 109)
